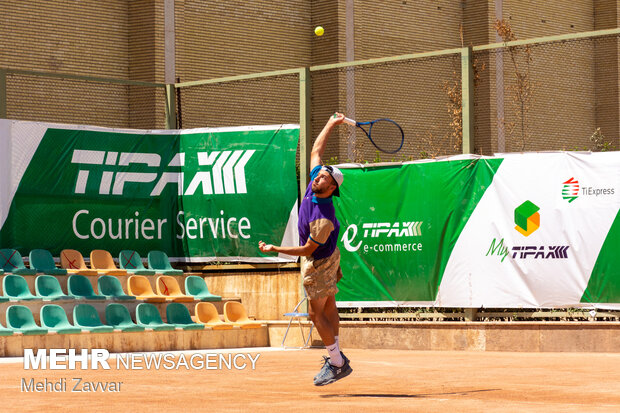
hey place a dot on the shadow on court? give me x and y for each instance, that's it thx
(422, 395)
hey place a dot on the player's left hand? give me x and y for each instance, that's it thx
(265, 247)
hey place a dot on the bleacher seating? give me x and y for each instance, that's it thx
(159, 261)
(52, 285)
(110, 287)
(73, 262)
(206, 313)
(236, 314)
(43, 262)
(80, 287)
(140, 287)
(131, 261)
(102, 261)
(197, 287)
(168, 287)
(147, 316)
(85, 316)
(54, 318)
(12, 262)
(16, 288)
(19, 318)
(48, 288)
(117, 316)
(178, 315)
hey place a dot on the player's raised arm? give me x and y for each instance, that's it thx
(321, 141)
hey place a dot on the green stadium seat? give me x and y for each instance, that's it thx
(147, 316)
(131, 261)
(158, 261)
(178, 315)
(80, 287)
(15, 287)
(196, 286)
(3, 299)
(54, 318)
(85, 316)
(5, 331)
(42, 261)
(48, 288)
(117, 316)
(19, 318)
(110, 287)
(13, 263)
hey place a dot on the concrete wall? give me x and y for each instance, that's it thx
(513, 336)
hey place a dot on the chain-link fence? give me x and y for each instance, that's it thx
(549, 96)
(554, 94)
(422, 95)
(267, 100)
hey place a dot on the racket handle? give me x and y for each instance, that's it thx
(350, 121)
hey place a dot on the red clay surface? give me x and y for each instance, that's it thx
(382, 380)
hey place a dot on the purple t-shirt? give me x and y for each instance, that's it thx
(317, 221)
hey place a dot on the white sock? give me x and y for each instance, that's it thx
(337, 342)
(335, 359)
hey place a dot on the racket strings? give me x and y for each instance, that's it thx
(386, 135)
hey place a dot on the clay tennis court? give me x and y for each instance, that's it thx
(382, 380)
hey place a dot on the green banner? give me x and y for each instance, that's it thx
(604, 284)
(202, 195)
(527, 230)
(399, 224)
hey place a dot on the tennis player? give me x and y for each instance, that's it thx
(320, 257)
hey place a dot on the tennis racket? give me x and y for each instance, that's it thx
(385, 134)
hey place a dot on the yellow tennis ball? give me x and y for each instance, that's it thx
(319, 30)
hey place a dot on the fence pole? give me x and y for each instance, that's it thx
(305, 147)
(467, 99)
(305, 128)
(3, 109)
(170, 110)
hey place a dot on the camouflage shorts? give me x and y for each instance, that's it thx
(321, 276)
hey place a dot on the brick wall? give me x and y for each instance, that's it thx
(575, 85)
(115, 39)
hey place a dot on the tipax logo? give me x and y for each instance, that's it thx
(381, 230)
(527, 218)
(226, 174)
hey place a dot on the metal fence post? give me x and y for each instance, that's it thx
(305, 147)
(305, 128)
(467, 99)
(170, 109)
(3, 109)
